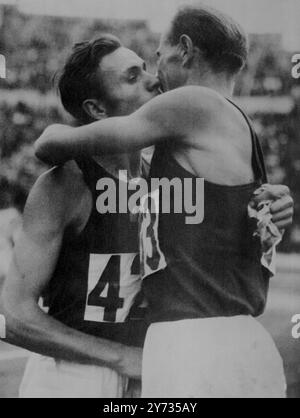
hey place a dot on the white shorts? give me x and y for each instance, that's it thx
(212, 358)
(49, 378)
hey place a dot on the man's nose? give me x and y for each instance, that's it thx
(153, 83)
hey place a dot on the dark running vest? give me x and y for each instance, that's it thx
(96, 286)
(211, 269)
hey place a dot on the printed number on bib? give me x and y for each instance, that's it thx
(152, 258)
(113, 284)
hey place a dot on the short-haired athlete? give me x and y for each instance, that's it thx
(84, 262)
(204, 282)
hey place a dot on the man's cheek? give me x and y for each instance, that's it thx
(140, 97)
(130, 105)
(125, 101)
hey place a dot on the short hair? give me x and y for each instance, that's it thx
(78, 79)
(220, 39)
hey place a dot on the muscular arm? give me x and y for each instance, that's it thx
(169, 116)
(47, 215)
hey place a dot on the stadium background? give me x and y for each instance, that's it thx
(35, 46)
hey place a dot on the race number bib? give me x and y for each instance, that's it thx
(152, 258)
(113, 283)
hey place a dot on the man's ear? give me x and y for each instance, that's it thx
(186, 49)
(94, 109)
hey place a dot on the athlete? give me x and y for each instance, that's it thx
(84, 263)
(205, 282)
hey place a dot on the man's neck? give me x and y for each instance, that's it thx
(222, 84)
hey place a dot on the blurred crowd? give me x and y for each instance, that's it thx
(35, 48)
(20, 125)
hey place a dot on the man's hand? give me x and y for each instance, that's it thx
(282, 208)
(50, 147)
(134, 390)
(131, 363)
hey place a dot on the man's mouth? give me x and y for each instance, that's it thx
(161, 89)
(158, 91)
(161, 83)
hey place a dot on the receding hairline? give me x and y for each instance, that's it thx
(222, 40)
(210, 11)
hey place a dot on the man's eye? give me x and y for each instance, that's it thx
(133, 78)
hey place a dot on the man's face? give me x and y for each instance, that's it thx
(171, 73)
(127, 83)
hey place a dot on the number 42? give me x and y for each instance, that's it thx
(110, 297)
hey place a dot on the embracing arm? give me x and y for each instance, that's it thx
(34, 260)
(169, 116)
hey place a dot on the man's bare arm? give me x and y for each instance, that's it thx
(35, 256)
(169, 116)
(172, 115)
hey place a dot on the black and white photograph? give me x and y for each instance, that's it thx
(149, 201)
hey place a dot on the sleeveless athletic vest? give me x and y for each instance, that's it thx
(211, 269)
(96, 286)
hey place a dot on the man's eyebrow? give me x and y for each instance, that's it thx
(135, 67)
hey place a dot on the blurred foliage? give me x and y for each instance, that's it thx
(35, 48)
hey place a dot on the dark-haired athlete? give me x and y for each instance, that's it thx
(84, 262)
(204, 283)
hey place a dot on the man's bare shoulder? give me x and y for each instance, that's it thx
(68, 176)
(64, 182)
(206, 109)
(57, 196)
(190, 104)
(195, 96)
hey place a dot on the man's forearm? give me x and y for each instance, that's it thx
(115, 135)
(28, 327)
(61, 143)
